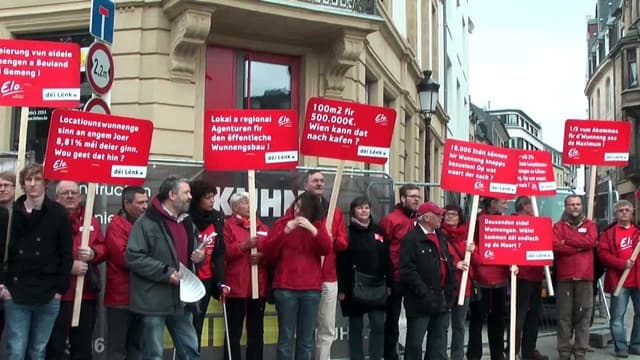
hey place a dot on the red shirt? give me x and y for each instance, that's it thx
(443, 262)
(625, 244)
(205, 271)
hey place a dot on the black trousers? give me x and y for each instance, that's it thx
(391, 330)
(528, 309)
(124, 330)
(200, 311)
(237, 309)
(493, 307)
(80, 337)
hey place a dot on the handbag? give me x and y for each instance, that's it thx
(476, 292)
(369, 289)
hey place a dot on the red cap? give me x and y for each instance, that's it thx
(431, 207)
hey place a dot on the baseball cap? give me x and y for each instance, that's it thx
(429, 206)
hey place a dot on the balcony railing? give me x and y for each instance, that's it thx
(357, 6)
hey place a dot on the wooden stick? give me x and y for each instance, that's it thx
(333, 202)
(86, 232)
(547, 272)
(625, 273)
(592, 192)
(255, 293)
(467, 254)
(22, 145)
(512, 317)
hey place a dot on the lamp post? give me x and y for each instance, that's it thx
(428, 95)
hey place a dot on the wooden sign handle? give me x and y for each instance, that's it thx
(467, 254)
(547, 272)
(86, 232)
(625, 273)
(333, 202)
(255, 290)
(512, 317)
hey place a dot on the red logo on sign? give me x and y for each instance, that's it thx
(380, 118)
(284, 120)
(574, 153)
(10, 88)
(60, 164)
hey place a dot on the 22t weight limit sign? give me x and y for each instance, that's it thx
(100, 66)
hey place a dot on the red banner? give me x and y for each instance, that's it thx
(516, 240)
(347, 131)
(535, 173)
(250, 139)
(596, 142)
(479, 169)
(39, 73)
(90, 147)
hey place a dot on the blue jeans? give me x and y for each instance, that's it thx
(376, 335)
(297, 313)
(182, 332)
(28, 327)
(618, 309)
(458, 322)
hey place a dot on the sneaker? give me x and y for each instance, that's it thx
(622, 355)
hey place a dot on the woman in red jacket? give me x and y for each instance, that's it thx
(238, 261)
(295, 246)
(454, 225)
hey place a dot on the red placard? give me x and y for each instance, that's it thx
(516, 240)
(596, 142)
(250, 139)
(535, 173)
(479, 169)
(39, 73)
(347, 131)
(90, 147)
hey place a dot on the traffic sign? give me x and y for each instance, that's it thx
(99, 68)
(101, 23)
(97, 106)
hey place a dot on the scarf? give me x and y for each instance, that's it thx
(202, 219)
(76, 217)
(243, 220)
(359, 224)
(457, 233)
(574, 221)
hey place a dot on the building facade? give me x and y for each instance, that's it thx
(174, 59)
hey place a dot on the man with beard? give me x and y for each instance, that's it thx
(396, 225)
(123, 326)
(162, 239)
(574, 238)
(326, 322)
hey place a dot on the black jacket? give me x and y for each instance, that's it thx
(420, 274)
(202, 220)
(370, 256)
(40, 253)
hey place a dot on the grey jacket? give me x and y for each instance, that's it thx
(151, 259)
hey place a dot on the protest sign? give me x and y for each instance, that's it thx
(596, 142)
(535, 173)
(479, 169)
(39, 73)
(91, 147)
(250, 139)
(516, 240)
(347, 131)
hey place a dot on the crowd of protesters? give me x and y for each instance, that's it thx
(308, 262)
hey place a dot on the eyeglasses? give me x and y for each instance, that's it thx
(452, 214)
(624, 210)
(69, 193)
(6, 186)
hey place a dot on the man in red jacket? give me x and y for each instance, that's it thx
(124, 328)
(574, 238)
(396, 225)
(326, 323)
(528, 298)
(615, 248)
(84, 263)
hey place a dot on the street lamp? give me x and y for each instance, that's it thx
(428, 95)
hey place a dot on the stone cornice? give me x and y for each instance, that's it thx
(190, 26)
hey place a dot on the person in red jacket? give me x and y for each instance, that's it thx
(124, 327)
(616, 245)
(574, 238)
(84, 263)
(528, 300)
(326, 322)
(396, 225)
(492, 281)
(238, 261)
(294, 247)
(454, 225)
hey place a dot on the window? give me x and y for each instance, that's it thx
(39, 118)
(632, 68)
